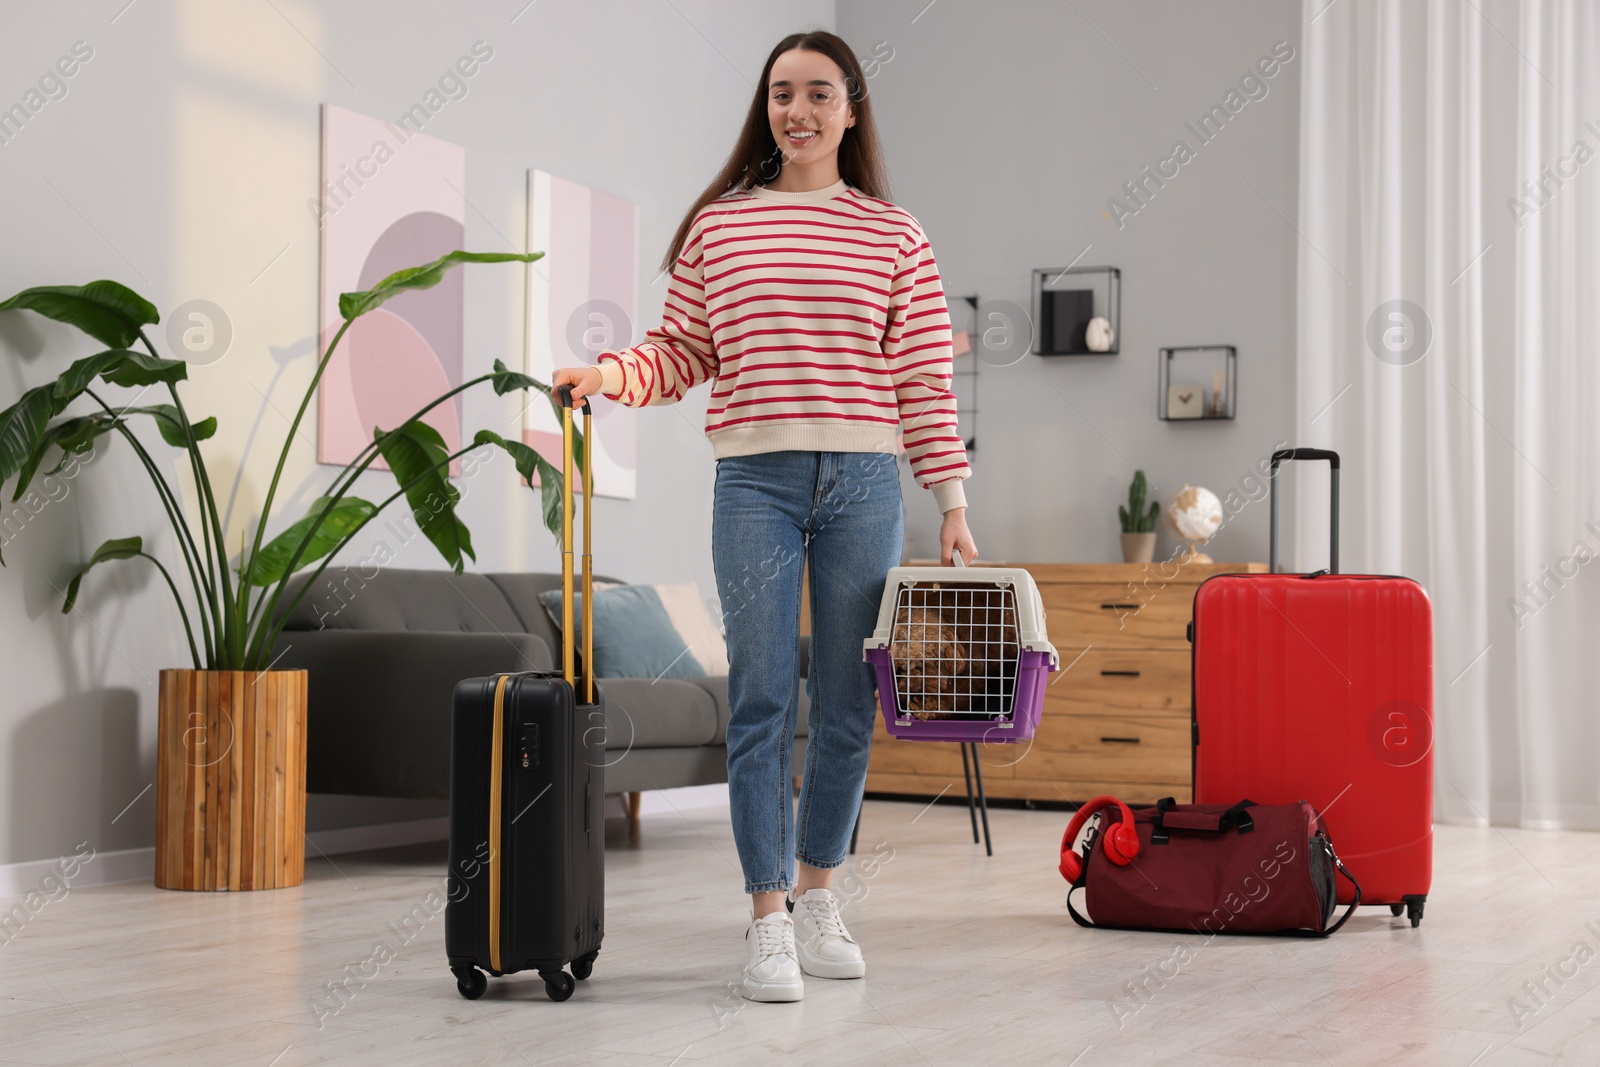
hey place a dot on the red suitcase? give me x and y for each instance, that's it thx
(1319, 687)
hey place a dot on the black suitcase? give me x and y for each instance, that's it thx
(526, 885)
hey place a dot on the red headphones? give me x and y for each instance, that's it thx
(1119, 842)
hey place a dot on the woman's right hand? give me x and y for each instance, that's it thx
(584, 381)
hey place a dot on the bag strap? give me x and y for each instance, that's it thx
(1239, 818)
(1235, 818)
(1083, 878)
(1339, 866)
(1079, 919)
(1158, 834)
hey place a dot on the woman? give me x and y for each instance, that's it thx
(814, 307)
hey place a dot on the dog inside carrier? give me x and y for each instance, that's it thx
(960, 653)
(954, 650)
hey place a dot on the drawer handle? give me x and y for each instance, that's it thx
(1119, 607)
(1119, 740)
(1120, 674)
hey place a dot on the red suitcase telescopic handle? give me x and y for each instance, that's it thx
(1272, 495)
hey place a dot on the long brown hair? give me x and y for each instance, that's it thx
(754, 154)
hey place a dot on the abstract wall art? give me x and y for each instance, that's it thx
(391, 198)
(582, 300)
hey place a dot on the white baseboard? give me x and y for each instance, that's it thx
(20, 879)
(139, 864)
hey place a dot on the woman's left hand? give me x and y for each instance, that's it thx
(953, 533)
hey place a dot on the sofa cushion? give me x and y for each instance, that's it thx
(663, 714)
(522, 593)
(633, 637)
(436, 601)
(690, 615)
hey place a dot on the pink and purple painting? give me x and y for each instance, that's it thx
(582, 300)
(391, 198)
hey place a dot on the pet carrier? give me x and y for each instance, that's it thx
(961, 657)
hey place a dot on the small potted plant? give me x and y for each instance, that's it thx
(1138, 524)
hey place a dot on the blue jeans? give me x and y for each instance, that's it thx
(770, 512)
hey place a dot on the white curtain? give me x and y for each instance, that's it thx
(1450, 160)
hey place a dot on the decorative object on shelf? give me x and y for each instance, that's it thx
(1195, 515)
(1173, 402)
(1064, 319)
(1138, 524)
(1185, 401)
(1099, 336)
(231, 731)
(1066, 315)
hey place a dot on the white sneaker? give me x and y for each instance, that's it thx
(771, 970)
(824, 946)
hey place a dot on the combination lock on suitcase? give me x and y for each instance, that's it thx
(527, 788)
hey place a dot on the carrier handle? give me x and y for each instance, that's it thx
(955, 556)
(1272, 496)
(563, 395)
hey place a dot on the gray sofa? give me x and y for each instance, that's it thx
(386, 649)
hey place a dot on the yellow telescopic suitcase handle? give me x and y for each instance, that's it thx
(564, 394)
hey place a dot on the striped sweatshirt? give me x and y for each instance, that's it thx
(819, 318)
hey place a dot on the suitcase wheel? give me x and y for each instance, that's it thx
(470, 982)
(583, 966)
(558, 985)
(1411, 905)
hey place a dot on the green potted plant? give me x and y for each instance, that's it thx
(1138, 524)
(231, 737)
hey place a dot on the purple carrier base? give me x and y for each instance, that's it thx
(1032, 668)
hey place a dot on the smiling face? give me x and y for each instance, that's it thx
(809, 110)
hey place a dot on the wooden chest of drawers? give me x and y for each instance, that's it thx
(1116, 716)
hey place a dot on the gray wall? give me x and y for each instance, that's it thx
(180, 159)
(1008, 127)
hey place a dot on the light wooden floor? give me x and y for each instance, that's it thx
(972, 961)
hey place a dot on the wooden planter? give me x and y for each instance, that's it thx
(231, 779)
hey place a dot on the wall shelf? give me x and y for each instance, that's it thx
(1175, 403)
(1104, 299)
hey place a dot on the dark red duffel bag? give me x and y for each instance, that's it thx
(1247, 868)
